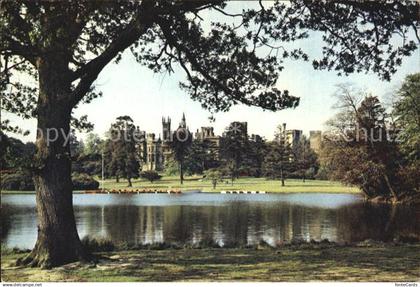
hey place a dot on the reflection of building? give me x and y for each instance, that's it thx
(315, 140)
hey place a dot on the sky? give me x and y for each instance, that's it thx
(131, 89)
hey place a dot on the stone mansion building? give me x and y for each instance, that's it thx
(154, 151)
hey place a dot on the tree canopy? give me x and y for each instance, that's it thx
(362, 148)
(226, 62)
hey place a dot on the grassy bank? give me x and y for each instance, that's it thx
(248, 183)
(252, 184)
(290, 263)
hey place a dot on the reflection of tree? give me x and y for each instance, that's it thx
(5, 213)
(18, 225)
(236, 223)
(242, 223)
(379, 222)
(122, 222)
(90, 221)
(178, 223)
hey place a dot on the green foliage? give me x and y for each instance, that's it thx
(171, 167)
(93, 144)
(88, 163)
(361, 149)
(98, 244)
(279, 158)
(277, 162)
(20, 180)
(214, 175)
(84, 182)
(233, 147)
(305, 160)
(201, 156)
(254, 157)
(14, 154)
(223, 66)
(407, 113)
(76, 146)
(150, 175)
(120, 151)
(180, 147)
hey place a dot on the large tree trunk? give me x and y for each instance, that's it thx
(58, 241)
(129, 182)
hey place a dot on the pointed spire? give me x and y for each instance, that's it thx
(183, 123)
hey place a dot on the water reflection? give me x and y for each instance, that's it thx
(227, 219)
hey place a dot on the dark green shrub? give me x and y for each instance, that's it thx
(19, 180)
(98, 244)
(150, 175)
(22, 180)
(84, 182)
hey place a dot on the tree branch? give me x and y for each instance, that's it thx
(14, 47)
(192, 60)
(90, 71)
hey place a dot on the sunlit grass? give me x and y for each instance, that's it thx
(248, 183)
(374, 263)
(243, 183)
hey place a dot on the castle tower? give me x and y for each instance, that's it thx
(183, 123)
(166, 129)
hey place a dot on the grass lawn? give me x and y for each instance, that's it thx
(246, 183)
(374, 263)
(251, 184)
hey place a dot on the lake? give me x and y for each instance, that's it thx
(223, 218)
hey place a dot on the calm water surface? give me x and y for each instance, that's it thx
(223, 218)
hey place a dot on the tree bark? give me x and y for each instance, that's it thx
(58, 241)
(117, 179)
(181, 172)
(129, 182)
(391, 189)
(282, 177)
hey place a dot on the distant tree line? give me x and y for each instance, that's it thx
(367, 144)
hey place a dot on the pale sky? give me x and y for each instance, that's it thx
(131, 89)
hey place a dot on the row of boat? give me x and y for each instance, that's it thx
(135, 191)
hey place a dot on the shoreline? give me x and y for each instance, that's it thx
(244, 184)
(189, 191)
